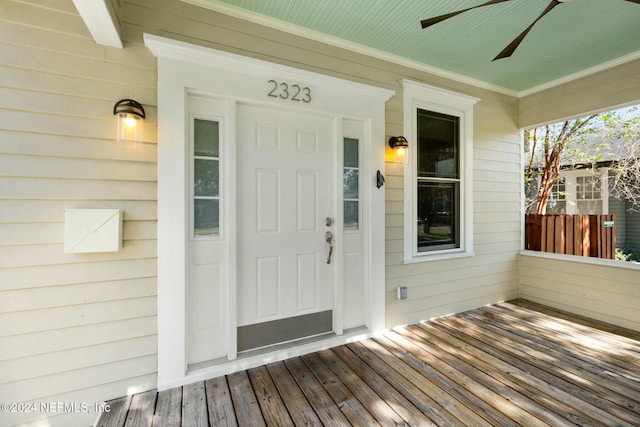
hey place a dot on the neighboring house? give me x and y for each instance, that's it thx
(582, 192)
(259, 139)
(585, 189)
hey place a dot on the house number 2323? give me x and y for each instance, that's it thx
(294, 92)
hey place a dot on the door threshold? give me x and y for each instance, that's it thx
(254, 358)
(285, 345)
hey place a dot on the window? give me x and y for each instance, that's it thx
(206, 177)
(557, 203)
(351, 192)
(438, 185)
(438, 181)
(588, 197)
(580, 192)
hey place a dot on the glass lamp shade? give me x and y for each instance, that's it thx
(129, 116)
(129, 127)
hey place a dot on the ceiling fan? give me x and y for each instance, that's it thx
(507, 51)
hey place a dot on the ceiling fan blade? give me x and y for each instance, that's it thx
(634, 1)
(431, 21)
(508, 51)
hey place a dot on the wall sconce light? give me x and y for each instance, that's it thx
(399, 143)
(129, 114)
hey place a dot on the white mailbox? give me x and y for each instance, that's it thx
(92, 230)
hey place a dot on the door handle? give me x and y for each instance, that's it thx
(328, 237)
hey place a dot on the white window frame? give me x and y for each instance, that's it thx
(571, 178)
(418, 95)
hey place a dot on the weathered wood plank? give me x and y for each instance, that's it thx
(219, 403)
(142, 408)
(500, 348)
(405, 409)
(599, 349)
(273, 409)
(169, 408)
(508, 364)
(301, 412)
(365, 394)
(556, 372)
(546, 394)
(246, 405)
(505, 400)
(117, 414)
(194, 405)
(423, 394)
(580, 323)
(486, 415)
(351, 407)
(320, 401)
(543, 404)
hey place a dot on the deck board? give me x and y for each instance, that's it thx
(273, 408)
(514, 363)
(292, 396)
(221, 412)
(168, 411)
(194, 405)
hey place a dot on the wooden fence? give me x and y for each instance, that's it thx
(586, 235)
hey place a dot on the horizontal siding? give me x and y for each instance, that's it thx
(437, 288)
(617, 86)
(496, 153)
(83, 326)
(632, 229)
(617, 208)
(604, 290)
(73, 327)
(90, 394)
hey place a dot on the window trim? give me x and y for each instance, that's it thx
(417, 95)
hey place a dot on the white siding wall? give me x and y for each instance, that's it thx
(605, 290)
(435, 288)
(601, 91)
(77, 328)
(73, 328)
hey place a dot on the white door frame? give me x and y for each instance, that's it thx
(184, 68)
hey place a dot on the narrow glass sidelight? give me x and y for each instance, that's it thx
(206, 177)
(351, 185)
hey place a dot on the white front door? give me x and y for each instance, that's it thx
(246, 254)
(286, 183)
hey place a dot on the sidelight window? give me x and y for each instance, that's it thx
(351, 188)
(206, 177)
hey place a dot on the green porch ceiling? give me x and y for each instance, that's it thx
(576, 37)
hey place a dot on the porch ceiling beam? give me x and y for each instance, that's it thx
(101, 20)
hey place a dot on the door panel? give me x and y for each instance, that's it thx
(285, 191)
(206, 311)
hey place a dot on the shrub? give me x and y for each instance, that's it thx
(628, 253)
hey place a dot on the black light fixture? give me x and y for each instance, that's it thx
(129, 115)
(399, 143)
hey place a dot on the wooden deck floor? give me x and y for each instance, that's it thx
(509, 364)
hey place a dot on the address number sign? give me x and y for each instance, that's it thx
(292, 92)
